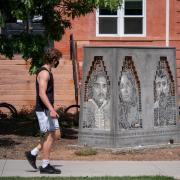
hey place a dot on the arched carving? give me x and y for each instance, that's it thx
(97, 96)
(129, 96)
(164, 95)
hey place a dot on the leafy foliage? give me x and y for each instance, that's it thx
(29, 45)
(110, 4)
(56, 17)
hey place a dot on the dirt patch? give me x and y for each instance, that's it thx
(13, 147)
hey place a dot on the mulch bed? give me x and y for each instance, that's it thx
(13, 146)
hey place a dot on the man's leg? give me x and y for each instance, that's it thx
(43, 124)
(31, 155)
(36, 150)
(46, 149)
(45, 146)
(56, 134)
(50, 128)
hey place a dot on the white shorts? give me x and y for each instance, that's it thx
(46, 123)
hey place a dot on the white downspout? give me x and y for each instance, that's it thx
(167, 22)
(0, 17)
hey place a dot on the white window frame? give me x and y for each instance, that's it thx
(120, 22)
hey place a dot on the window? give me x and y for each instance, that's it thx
(129, 20)
(16, 26)
(107, 21)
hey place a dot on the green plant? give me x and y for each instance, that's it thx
(68, 119)
(25, 114)
(56, 17)
(68, 123)
(86, 152)
(23, 123)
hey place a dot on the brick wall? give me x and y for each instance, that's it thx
(17, 87)
(84, 30)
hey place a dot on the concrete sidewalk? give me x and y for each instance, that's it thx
(95, 168)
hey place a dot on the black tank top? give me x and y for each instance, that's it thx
(40, 106)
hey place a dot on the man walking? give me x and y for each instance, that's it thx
(46, 114)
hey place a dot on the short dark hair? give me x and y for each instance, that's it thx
(51, 55)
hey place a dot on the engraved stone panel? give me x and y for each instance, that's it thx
(164, 95)
(129, 96)
(97, 97)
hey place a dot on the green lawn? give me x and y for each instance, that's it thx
(90, 178)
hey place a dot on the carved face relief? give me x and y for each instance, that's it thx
(126, 88)
(162, 86)
(164, 101)
(100, 90)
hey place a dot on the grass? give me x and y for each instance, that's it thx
(90, 178)
(86, 152)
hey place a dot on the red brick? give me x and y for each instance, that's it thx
(19, 90)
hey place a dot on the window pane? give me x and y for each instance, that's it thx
(133, 26)
(103, 11)
(133, 7)
(107, 25)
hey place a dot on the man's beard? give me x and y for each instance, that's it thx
(100, 98)
(162, 99)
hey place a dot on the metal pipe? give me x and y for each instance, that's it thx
(167, 22)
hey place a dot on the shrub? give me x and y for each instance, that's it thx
(25, 122)
(68, 119)
(86, 152)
